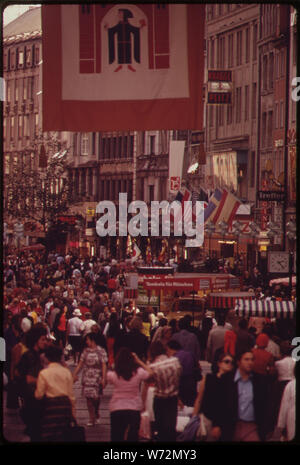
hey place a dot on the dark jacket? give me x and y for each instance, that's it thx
(229, 406)
(137, 342)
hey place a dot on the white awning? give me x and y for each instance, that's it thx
(266, 308)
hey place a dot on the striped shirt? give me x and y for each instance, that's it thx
(167, 371)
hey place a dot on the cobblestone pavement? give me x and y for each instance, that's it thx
(13, 426)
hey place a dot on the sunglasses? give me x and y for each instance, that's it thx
(227, 361)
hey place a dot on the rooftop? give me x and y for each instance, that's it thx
(24, 26)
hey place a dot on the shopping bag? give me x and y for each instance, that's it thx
(74, 433)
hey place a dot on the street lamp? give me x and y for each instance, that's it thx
(291, 235)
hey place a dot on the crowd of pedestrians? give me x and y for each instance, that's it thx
(67, 319)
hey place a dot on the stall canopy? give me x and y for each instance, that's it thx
(227, 300)
(265, 308)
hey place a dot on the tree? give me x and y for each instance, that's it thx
(39, 193)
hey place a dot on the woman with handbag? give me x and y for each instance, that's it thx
(93, 362)
(210, 395)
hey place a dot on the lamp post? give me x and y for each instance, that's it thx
(291, 235)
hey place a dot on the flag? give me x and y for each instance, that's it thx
(162, 255)
(129, 246)
(135, 253)
(109, 66)
(222, 206)
(148, 252)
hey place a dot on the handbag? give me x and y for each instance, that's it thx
(74, 433)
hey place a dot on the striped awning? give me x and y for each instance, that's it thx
(265, 308)
(227, 300)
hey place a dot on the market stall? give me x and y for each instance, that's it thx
(265, 308)
(227, 300)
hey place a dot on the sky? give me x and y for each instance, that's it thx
(11, 12)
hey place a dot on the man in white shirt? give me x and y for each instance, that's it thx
(86, 326)
(74, 333)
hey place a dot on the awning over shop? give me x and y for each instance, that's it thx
(265, 308)
(284, 281)
(227, 299)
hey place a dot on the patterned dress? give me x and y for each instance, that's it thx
(92, 371)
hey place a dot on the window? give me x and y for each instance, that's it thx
(16, 90)
(12, 127)
(229, 114)
(26, 126)
(255, 41)
(270, 128)
(119, 146)
(281, 117)
(102, 152)
(84, 144)
(293, 111)
(212, 54)
(28, 57)
(114, 147)
(20, 126)
(93, 143)
(151, 193)
(131, 142)
(143, 142)
(252, 170)
(4, 128)
(220, 115)
(230, 50)
(282, 63)
(152, 144)
(271, 71)
(8, 91)
(24, 89)
(276, 115)
(221, 52)
(37, 55)
(246, 103)
(265, 72)
(211, 116)
(108, 148)
(20, 58)
(125, 146)
(264, 129)
(247, 45)
(239, 48)
(238, 102)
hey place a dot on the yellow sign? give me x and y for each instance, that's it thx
(90, 211)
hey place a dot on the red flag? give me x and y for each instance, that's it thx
(116, 67)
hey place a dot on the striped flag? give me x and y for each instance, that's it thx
(222, 206)
(135, 253)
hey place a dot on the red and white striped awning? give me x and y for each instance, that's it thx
(266, 308)
(227, 300)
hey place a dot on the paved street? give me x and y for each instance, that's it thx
(13, 426)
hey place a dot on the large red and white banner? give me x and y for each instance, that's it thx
(123, 67)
